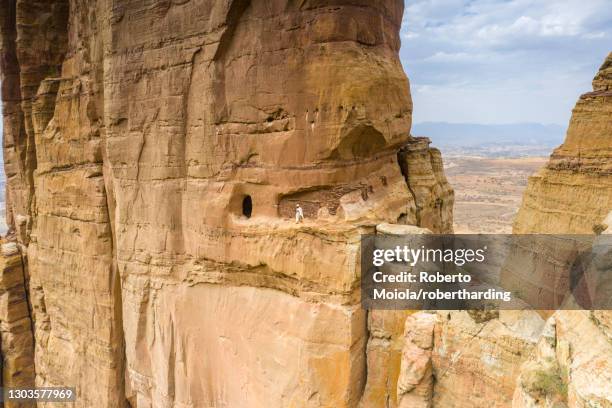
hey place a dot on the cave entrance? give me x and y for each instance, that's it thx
(247, 206)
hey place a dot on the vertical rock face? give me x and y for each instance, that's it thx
(422, 166)
(477, 356)
(464, 359)
(573, 193)
(155, 152)
(16, 340)
(386, 341)
(34, 39)
(415, 385)
(571, 366)
(516, 359)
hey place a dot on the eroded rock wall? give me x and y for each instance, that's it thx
(433, 196)
(516, 359)
(528, 359)
(16, 337)
(571, 366)
(573, 195)
(55, 193)
(573, 192)
(155, 152)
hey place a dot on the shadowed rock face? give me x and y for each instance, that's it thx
(135, 132)
(17, 341)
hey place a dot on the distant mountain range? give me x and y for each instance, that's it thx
(472, 139)
(467, 135)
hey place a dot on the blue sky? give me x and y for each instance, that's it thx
(502, 61)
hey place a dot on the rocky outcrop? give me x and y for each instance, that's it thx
(580, 167)
(16, 339)
(386, 340)
(434, 198)
(571, 366)
(477, 356)
(415, 385)
(155, 152)
(528, 359)
(464, 358)
(573, 195)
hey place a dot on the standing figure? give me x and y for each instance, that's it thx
(299, 214)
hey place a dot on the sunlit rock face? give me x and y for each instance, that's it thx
(573, 192)
(16, 337)
(573, 195)
(155, 152)
(528, 359)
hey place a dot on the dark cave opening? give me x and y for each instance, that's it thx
(247, 206)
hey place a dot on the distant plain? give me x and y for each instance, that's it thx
(488, 191)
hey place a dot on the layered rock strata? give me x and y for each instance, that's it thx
(422, 166)
(573, 195)
(386, 340)
(528, 359)
(573, 192)
(16, 339)
(415, 385)
(155, 152)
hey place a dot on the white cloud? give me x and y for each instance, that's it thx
(502, 47)
(409, 35)
(459, 57)
(592, 36)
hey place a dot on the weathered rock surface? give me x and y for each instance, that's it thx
(155, 152)
(387, 339)
(514, 359)
(477, 356)
(415, 384)
(422, 166)
(16, 339)
(464, 359)
(573, 193)
(572, 366)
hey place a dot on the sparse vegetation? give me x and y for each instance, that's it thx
(599, 228)
(548, 383)
(546, 380)
(481, 316)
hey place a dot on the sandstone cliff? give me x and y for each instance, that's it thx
(522, 359)
(16, 337)
(573, 192)
(573, 195)
(155, 151)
